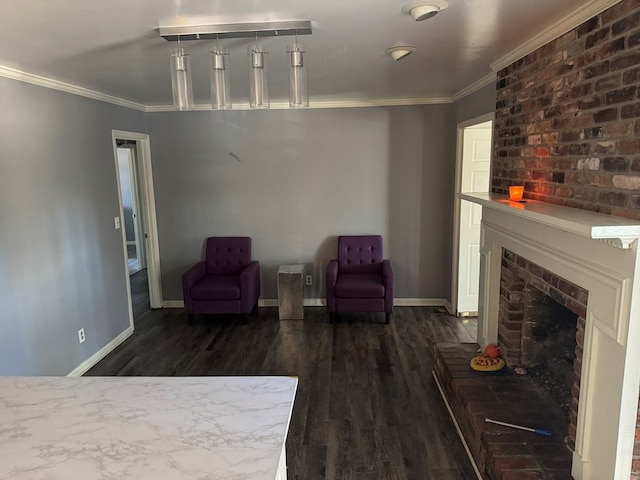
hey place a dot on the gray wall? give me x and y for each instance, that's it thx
(295, 180)
(300, 179)
(61, 260)
(478, 103)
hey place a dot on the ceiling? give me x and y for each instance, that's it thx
(113, 47)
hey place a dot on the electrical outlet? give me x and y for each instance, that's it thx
(81, 337)
(309, 280)
(116, 222)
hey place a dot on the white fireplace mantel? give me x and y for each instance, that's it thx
(618, 231)
(579, 246)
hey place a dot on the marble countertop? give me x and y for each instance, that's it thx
(156, 428)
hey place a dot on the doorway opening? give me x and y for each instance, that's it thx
(472, 175)
(138, 219)
(132, 225)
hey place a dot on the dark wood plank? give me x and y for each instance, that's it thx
(139, 293)
(366, 407)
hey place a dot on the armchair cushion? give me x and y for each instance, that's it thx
(217, 287)
(367, 285)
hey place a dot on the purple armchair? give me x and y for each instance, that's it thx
(359, 280)
(226, 282)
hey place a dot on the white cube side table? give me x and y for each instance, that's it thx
(291, 292)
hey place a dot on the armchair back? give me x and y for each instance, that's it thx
(360, 254)
(227, 255)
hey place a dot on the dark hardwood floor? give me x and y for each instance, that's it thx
(139, 293)
(367, 406)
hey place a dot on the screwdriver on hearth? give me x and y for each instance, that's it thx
(539, 431)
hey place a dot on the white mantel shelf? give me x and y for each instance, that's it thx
(617, 231)
(155, 428)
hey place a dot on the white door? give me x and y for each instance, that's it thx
(476, 162)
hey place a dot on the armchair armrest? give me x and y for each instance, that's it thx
(387, 279)
(250, 284)
(189, 279)
(330, 277)
(193, 275)
(387, 273)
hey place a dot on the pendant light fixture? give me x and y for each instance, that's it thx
(298, 91)
(219, 57)
(259, 91)
(181, 79)
(220, 83)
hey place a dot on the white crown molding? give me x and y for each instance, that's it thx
(21, 76)
(474, 87)
(381, 102)
(322, 104)
(585, 12)
(100, 354)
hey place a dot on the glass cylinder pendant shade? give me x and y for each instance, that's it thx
(259, 92)
(298, 92)
(220, 83)
(181, 79)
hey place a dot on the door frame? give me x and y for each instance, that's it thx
(148, 207)
(456, 202)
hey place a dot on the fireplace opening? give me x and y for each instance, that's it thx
(548, 345)
(541, 327)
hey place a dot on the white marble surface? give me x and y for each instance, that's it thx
(156, 428)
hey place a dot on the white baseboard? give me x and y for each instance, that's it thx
(173, 304)
(449, 307)
(419, 302)
(100, 354)
(307, 302)
(321, 302)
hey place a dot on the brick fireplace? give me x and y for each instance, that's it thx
(567, 127)
(584, 257)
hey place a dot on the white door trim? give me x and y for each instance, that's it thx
(149, 216)
(456, 202)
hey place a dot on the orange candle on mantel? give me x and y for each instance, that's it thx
(515, 192)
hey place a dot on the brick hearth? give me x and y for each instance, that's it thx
(503, 453)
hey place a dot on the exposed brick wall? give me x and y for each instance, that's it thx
(568, 122)
(517, 275)
(568, 117)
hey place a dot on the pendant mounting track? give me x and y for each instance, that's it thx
(236, 30)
